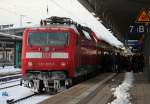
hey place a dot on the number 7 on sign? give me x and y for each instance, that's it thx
(131, 28)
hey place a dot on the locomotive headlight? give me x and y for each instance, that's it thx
(34, 55)
(62, 55)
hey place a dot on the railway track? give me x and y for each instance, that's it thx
(9, 81)
(1, 88)
(12, 101)
(10, 77)
(2, 83)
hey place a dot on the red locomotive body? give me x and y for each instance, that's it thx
(53, 56)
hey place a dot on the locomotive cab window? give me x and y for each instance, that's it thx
(48, 38)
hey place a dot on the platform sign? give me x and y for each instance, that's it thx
(132, 42)
(143, 17)
(136, 29)
(141, 23)
(135, 43)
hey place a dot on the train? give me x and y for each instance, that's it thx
(58, 54)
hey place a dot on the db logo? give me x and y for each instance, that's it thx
(46, 55)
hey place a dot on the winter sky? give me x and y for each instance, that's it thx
(32, 11)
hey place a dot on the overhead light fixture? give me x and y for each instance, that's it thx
(125, 51)
(100, 21)
(109, 29)
(93, 13)
(123, 48)
(98, 18)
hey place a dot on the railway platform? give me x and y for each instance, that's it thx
(140, 92)
(98, 91)
(82, 93)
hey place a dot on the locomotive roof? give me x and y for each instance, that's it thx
(56, 26)
(77, 29)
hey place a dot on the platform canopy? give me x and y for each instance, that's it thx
(10, 37)
(46, 8)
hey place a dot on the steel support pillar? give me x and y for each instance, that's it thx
(16, 54)
(147, 53)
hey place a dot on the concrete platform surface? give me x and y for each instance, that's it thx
(140, 92)
(81, 93)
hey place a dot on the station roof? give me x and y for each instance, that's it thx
(117, 15)
(9, 37)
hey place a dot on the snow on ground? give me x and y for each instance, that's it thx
(7, 84)
(9, 69)
(34, 99)
(20, 92)
(122, 91)
(22, 12)
(14, 93)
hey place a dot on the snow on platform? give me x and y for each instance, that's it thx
(121, 92)
(9, 70)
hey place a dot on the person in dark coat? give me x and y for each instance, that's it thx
(141, 63)
(135, 63)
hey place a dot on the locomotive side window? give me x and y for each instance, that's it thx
(48, 38)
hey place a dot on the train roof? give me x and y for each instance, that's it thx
(63, 23)
(65, 27)
(55, 26)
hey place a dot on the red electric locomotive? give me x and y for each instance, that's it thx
(57, 54)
